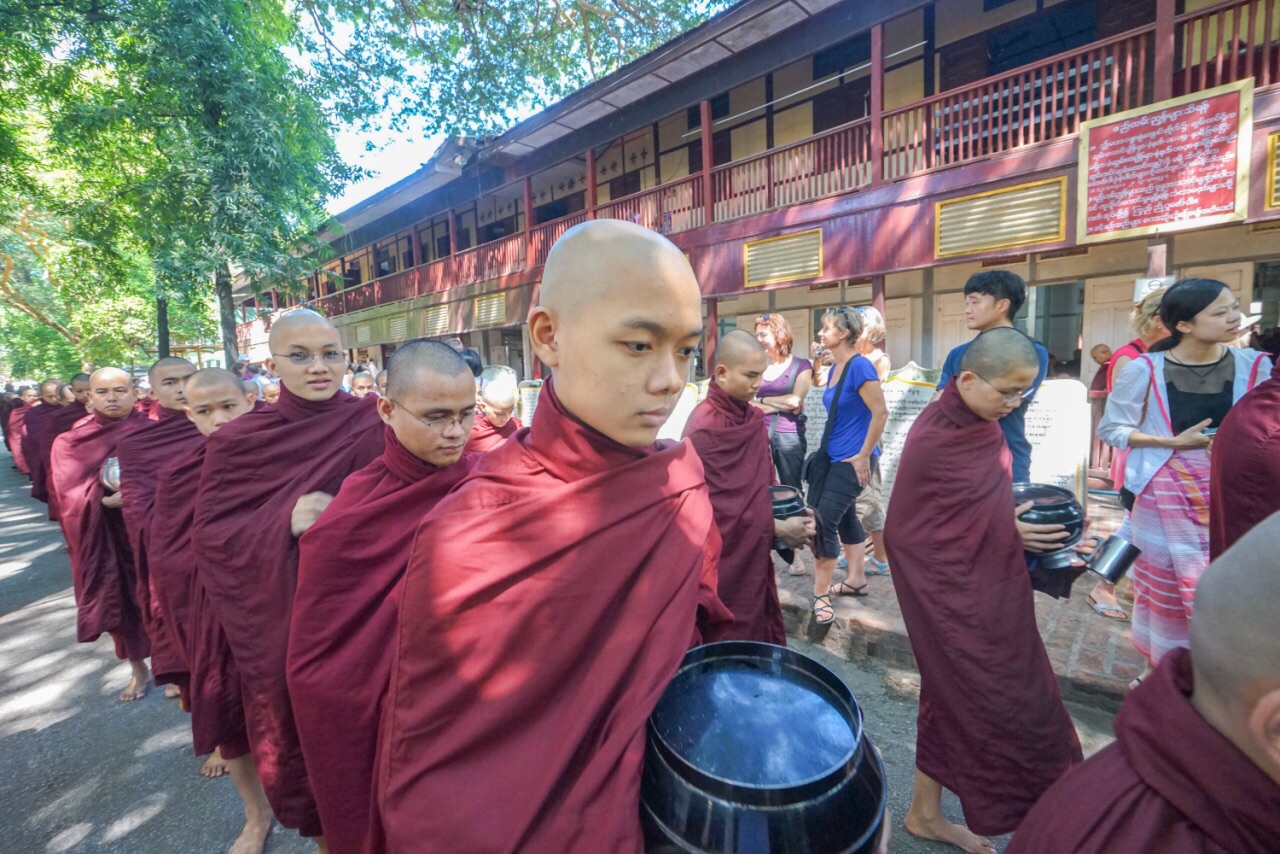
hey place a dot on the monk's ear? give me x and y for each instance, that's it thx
(1264, 725)
(542, 336)
(187, 410)
(384, 410)
(722, 373)
(270, 362)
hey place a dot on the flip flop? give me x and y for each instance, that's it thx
(875, 567)
(1111, 612)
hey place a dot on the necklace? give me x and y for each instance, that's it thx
(1201, 378)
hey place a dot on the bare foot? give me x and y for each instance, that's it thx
(172, 692)
(213, 766)
(941, 830)
(1143, 675)
(253, 839)
(137, 687)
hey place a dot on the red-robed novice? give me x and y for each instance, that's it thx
(27, 398)
(61, 419)
(991, 726)
(551, 596)
(101, 564)
(47, 403)
(495, 421)
(1195, 767)
(729, 435)
(248, 519)
(145, 448)
(1245, 465)
(351, 561)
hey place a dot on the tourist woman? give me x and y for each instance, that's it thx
(1159, 409)
(856, 416)
(871, 500)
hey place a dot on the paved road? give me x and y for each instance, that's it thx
(86, 773)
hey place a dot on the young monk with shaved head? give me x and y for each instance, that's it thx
(362, 384)
(60, 420)
(351, 561)
(101, 563)
(730, 438)
(247, 522)
(28, 397)
(209, 680)
(542, 614)
(1195, 766)
(381, 382)
(35, 429)
(992, 727)
(271, 393)
(495, 421)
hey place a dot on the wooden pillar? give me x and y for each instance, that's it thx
(1166, 10)
(591, 183)
(415, 246)
(711, 336)
(708, 191)
(1158, 260)
(877, 104)
(877, 294)
(453, 233)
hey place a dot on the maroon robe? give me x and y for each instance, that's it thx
(101, 564)
(33, 433)
(344, 627)
(17, 429)
(147, 406)
(1170, 783)
(57, 421)
(65, 419)
(143, 450)
(731, 439)
(548, 601)
(991, 726)
(255, 470)
(485, 437)
(1245, 468)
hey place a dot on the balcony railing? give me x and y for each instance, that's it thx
(543, 236)
(668, 209)
(1229, 42)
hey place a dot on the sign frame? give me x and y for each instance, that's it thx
(1244, 152)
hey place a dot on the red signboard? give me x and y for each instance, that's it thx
(1179, 164)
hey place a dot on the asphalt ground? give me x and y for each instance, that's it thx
(83, 772)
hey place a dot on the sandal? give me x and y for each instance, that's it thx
(1111, 612)
(821, 608)
(797, 569)
(844, 588)
(875, 567)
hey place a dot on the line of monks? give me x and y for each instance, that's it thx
(405, 623)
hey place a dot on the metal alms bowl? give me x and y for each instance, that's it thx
(110, 474)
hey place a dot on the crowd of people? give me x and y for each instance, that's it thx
(411, 607)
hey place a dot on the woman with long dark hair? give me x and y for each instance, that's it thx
(1163, 408)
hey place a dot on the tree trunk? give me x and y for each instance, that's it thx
(162, 327)
(226, 313)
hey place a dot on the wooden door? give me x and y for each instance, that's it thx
(949, 330)
(1238, 277)
(900, 319)
(1108, 302)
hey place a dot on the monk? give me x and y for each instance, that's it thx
(252, 391)
(381, 382)
(495, 420)
(143, 450)
(33, 427)
(210, 683)
(271, 393)
(991, 726)
(350, 563)
(551, 596)
(60, 421)
(362, 384)
(27, 398)
(1195, 766)
(248, 519)
(1245, 465)
(101, 563)
(730, 438)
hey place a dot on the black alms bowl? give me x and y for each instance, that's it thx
(1053, 506)
(757, 748)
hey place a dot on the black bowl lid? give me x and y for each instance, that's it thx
(1041, 493)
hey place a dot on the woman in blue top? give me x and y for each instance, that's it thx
(852, 448)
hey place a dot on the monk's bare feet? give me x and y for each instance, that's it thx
(137, 687)
(172, 692)
(1141, 676)
(253, 839)
(941, 830)
(214, 766)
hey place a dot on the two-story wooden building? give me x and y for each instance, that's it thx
(809, 153)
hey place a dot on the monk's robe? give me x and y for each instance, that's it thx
(6, 407)
(17, 429)
(1169, 783)
(210, 684)
(147, 407)
(101, 563)
(731, 439)
(547, 603)
(1245, 467)
(485, 437)
(62, 421)
(33, 433)
(991, 726)
(143, 450)
(344, 627)
(255, 470)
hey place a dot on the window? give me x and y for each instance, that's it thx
(1059, 28)
(845, 56)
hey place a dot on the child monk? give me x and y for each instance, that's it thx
(991, 727)
(551, 596)
(495, 420)
(730, 437)
(60, 420)
(248, 519)
(46, 404)
(350, 563)
(210, 683)
(101, 564)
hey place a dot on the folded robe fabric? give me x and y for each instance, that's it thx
(733, 444)
(344, 627)
(32, 434)
(145, 448)
(548, 601)
(991, 726)
(1245, 467)
(101, 564)
(485, 437)
(17, 429)
(1169, 783)
(63, 421)
(59, 420)
(255, 470)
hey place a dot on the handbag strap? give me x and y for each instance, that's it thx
(835, 404)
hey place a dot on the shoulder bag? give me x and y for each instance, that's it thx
(818, 463)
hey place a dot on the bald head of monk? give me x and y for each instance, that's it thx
(28, 394)
(251, 390)
(306, 354)
(214, 397)
(380, 381)
(740, 363)
(499, 399)
(167, 377)
(270, 393)
(362, 383)
(1235, 645)
(80, 388)
(997, 368)
(111, 393)
(618, 321)
(66, 396)
(430, 402)
(49, 392)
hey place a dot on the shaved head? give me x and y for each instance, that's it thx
(215, 397)
(80, 387)
(412, 365)
(740, 363)
(49, 392)
(999, 352)
(735, 346)
(288, 325)
(214, 377)
(306, 354)
(111, 393)
(431, 401)
(168, 362)
(168, 376)
(500, 392)
(250, 388)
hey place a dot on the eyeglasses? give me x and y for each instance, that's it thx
(439, 425)
(301, 357)
(1009, 396)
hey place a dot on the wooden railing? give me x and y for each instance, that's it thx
(668, 209)
(501, 257)
(543, 236)
(1228, 42)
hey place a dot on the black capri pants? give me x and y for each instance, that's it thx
(788, 458)
(837, 516)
